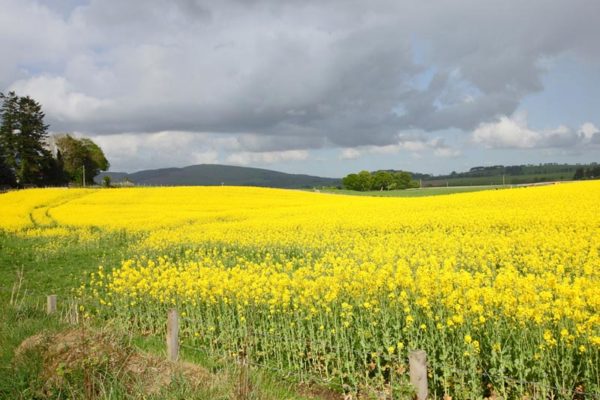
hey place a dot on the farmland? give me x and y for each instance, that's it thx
(501, 288)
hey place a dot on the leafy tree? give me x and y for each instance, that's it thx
(364, 181)
(55, 172)
(514, 170)
(106, 181)
(382, 180)
(594, 172)
(7, 177)
(402, 180)
(379, 180)
(79, 156)
(350, 182)
(23, 137)
(361, 181)
(579, 174)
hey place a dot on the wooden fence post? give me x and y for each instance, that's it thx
(417, 363)
(51, 304)
(172, 335)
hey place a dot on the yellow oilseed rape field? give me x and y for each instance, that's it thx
(501, 287)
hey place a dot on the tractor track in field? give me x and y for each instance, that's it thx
(40, 215)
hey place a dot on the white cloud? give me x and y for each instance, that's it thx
(588, 130)
(507, 132)
(414, 146)
(418, 145)
(514, 132)
(58, 99)
(130, 152)
(447, 152)
(350, 154)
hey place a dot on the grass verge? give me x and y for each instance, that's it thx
(427, 191)
(33, 265)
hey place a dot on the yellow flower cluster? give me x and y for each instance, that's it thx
(453, 293)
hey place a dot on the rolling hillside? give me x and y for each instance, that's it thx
(214, 175)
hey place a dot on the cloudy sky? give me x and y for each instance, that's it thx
(313, 86)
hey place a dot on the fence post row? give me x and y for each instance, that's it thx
(172, 335)
(51, 304)
(417, 359)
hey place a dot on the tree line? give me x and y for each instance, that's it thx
(379, 180)
(29, 156)
(591, 172)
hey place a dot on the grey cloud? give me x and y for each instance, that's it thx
(290, 75)
(260, 143)
(426, 111)
(561, 137)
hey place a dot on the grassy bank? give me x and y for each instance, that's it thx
(33, 267)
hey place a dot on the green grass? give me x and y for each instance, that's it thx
(435, 191)
(56, 266)
(498, 180)
(46, 269)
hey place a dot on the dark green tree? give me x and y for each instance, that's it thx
(55, 172)
(106, 181)
(402, 180)
(23, 136)
(379, 180)
(594, 172)
(579, 174)
(364, 181)
(7, 177)
(350, 182)
(382, 180)
(81, 155)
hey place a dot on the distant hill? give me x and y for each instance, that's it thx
(215, 175)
